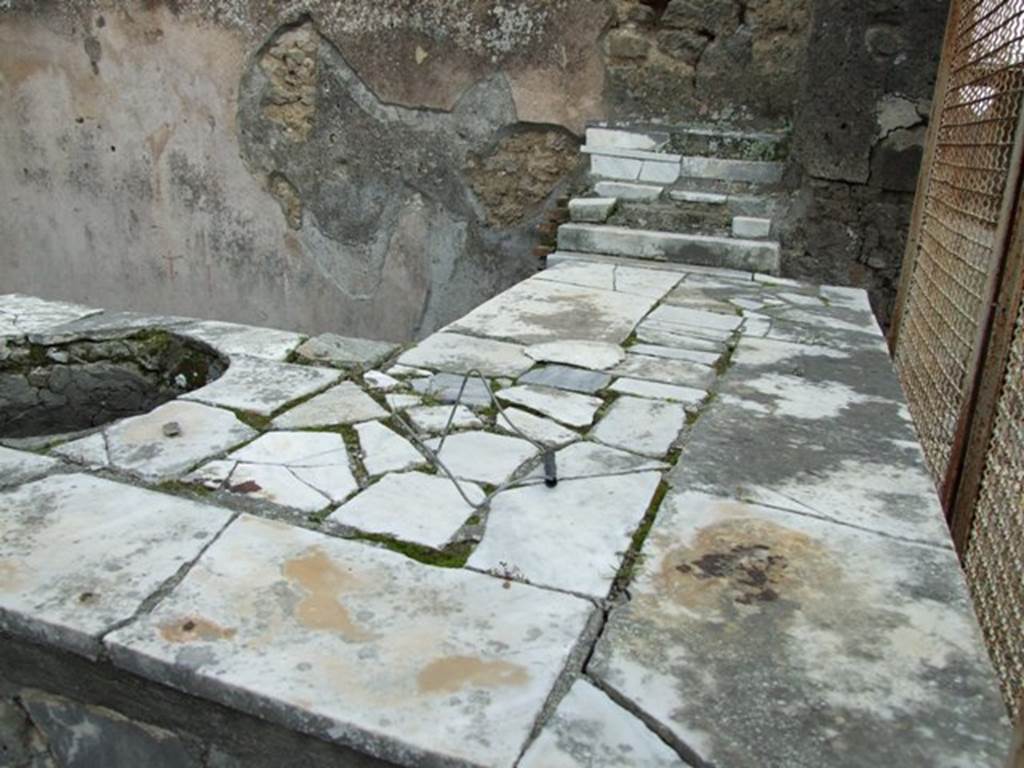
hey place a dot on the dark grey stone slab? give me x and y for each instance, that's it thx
(82, 736)
(566, 377)
(446, 386)
(859, 464)
(345, 351)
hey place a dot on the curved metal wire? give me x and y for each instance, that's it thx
(547, 453)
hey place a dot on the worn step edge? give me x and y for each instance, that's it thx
(687, 196)
(591, 210)
(625, 190)
(722, 169)
(706, 250)
(631, 154)
(752, 227)
(566, 257)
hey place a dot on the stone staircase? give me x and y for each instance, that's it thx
(692, 195)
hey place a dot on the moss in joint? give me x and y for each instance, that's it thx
(452, 556)
(256, 421)
(634, 555)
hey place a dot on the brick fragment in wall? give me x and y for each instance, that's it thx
(290, 65)
(521, 171)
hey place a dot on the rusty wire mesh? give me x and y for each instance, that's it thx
(965, 211)
(963, 199)
(995, 551)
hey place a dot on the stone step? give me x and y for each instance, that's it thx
(730, 144)
(628, 191)
(730, 189)
(751, 227)
(634, 165)
(714, 251)
(591, 209)
(724, 169)
(740, 204)
(669, 216)
(706, 198)
(626, 138)
(707, 141)
(631, 154)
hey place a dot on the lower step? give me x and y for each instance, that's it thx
(690, 218)
(752, 255)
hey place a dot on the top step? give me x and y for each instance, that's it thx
(706, 141)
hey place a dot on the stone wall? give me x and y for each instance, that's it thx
(738, 61)
(371, 167)
(62, 711)
(859, 135)
(378, 167)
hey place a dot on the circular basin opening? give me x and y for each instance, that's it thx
(79, 383)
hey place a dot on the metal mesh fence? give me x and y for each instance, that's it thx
(962, 204)
(965, 212)
(995, 550)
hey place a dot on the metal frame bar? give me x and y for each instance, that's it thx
(924, 178)
(979, 424)
(981, 366)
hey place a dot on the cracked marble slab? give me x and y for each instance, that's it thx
(680, 372)
(570, 408)
(695, 318)
(400, 402)
(399, 660)
(587, 459)
(381, 381)
(101, 324)
(545, 431)
(593, 355)
(589, 730)
(432, 419)
(23, 315)
(89, 451)
(866, 371)
(855, 461)
(677, 338)
(18, 467)
(345, 351)
(457, 353)
(536, 311)
(345, 403)
(740, 612)
(305, 471)
(447, 386)
(139, 444)
(688, 396)
(260, 386)
(674, 353)
(648, 427)
(234, 339)
(394, 506)
(117, 544)
(280, 485)
(652, 283)
(384, 450)
(482, 456)
(571, 537)
(807, 328)
(294, 449)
